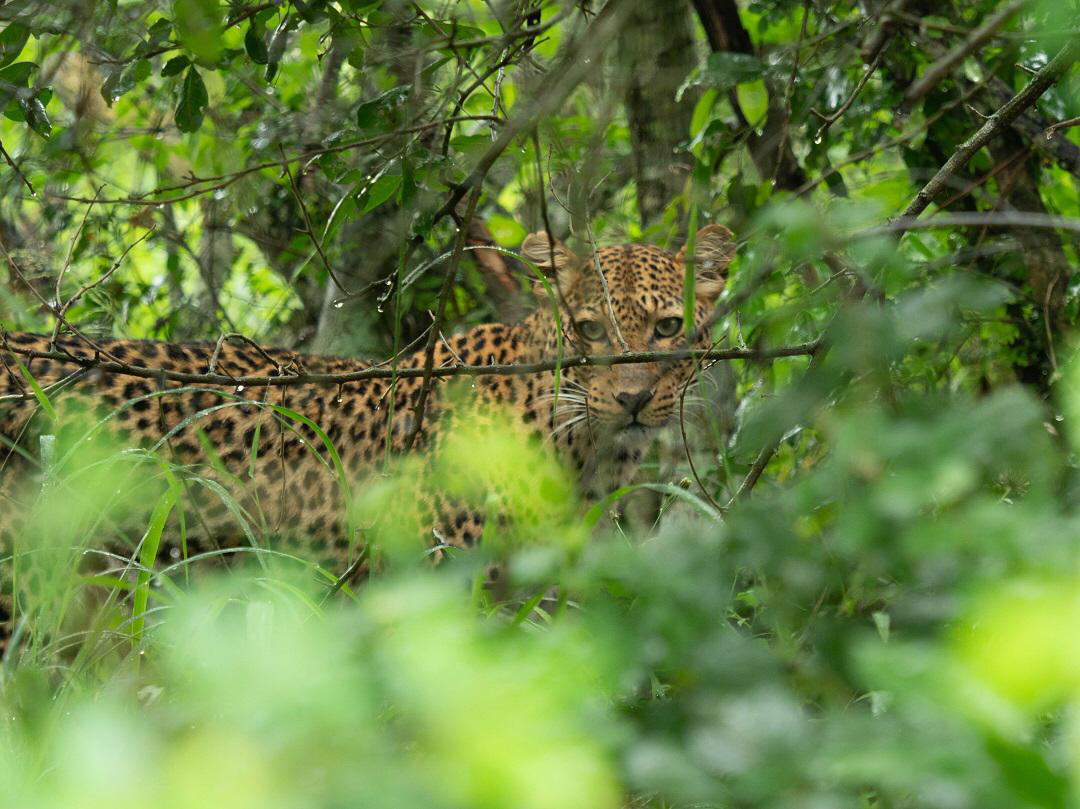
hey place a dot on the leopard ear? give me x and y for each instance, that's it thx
(714, 248)
(547, 256)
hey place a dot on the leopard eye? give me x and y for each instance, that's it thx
(592, 330)
(668, 327)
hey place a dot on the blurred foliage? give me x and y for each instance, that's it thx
(888, 621)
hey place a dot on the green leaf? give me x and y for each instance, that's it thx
(702, 109)
(726, 70)
(18, 73)
(689, 274)
(255, 43)
(506, 231)
(700, 118)
(175, 66)
(276, 48)
(148, 551)
(12, 41)
(159, 31)
(39, 392)
(193, 101)
(24, 98)
(375, 111)
(310, 11)
(228, 55)
(36, 116)
(13, 112)
(123, 80)
(754, 99)
(198, 24)
(380, 191)
(471, 145)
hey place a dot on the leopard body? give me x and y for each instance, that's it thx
(268, 444)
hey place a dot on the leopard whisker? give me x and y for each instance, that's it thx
(566, 425)
(564, 412)
(570, 385)
(567, 397)
(566, 388)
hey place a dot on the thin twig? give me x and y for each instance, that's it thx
(220, 344)
(790, 88)
(440, 312)
(833, 117)
(1054, 69)
(1047, 324)
(247, 13)
(767, 452)
(1019, 154)
(969, 219)
(105, 276)
(931, 24)
(222, 181)
(558, 84)
(876, 42)
(73, 243)
(1050, 130)
(603, 281)
(975, 40)
(913, 132)
(16, 271)
(114, 366)
(16, 169)
(307, 223)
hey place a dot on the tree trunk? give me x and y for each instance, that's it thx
(1045, 266)
(770, 149)
(655, 56)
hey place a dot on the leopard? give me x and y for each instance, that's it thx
(293, 454)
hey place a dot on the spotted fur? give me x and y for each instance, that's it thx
(282, 475)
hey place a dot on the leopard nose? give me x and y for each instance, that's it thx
(634, 403)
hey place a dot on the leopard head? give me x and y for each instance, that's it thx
(628, 299)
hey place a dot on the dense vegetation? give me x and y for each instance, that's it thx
(855, 580)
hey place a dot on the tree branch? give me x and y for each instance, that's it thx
(832, 117)
(440, 312)
(874, 44)
(382, 372)
(975, 40)
(1054, 69)
(767, 452)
